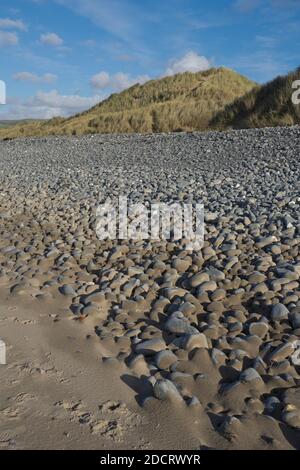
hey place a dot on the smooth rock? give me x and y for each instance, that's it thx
(165, 390)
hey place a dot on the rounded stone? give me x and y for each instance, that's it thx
(279, 312)
(150, 346)
(281, 352)
(67, 290)
(250, 375)
(164, 359)
(178, 324)
(291, 416)
(193, 341)
(259, 329)
(165, 390)
(198, 279)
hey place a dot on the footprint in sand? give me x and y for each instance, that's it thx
(112, 420)
(16, 407)
(10, 412)
(7, 443)
(38, 368)
(23, 322)
(118, 420)
(21, 398)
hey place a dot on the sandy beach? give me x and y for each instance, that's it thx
(147, 345)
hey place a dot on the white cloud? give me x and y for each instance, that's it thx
(47, 105)
(51, 39)
(118, 81)
(190, 62)
(33, 78)
(69, 103)
(122, 80)
(7, 23)
(100, 80)
(8, 39)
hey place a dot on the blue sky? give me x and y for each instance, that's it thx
(59, 57)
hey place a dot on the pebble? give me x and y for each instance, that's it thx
(192, 341)
(292, 396)
(181, 265)
(165, 390)
(279, 312)
(259, 329)
(198, 279)
(281, 352)
(291, 416)
(178, 324)
(67, 290)
(164, 359)
(250, 375)
(150, 347)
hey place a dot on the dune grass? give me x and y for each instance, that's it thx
(183, 102)
(268, 105)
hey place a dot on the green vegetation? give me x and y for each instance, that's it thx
(183, 102)
(269, 105)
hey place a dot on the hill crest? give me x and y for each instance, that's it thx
(182, 102)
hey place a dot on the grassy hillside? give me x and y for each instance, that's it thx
(185, 101)
(266, 106)
(10, 123)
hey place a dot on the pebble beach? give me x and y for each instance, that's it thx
(146, 344)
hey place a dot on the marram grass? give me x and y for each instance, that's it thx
(183, 102)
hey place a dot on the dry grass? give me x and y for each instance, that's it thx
(269, 105)
(184, 102)
(10, 123)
